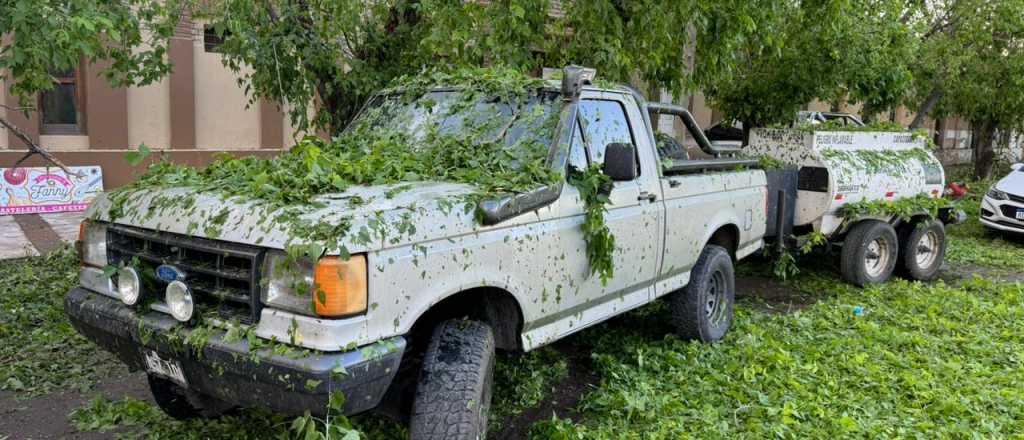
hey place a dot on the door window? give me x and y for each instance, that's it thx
(606, 123)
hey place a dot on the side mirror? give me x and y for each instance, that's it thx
(620, 162)
(1017, 166)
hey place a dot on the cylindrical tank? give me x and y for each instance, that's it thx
(840, 167)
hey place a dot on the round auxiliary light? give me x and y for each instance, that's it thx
(128, 285)
(179, 301)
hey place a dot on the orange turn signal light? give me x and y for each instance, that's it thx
(339, 286)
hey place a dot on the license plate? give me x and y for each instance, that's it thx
(167, 368)
(1020, 214)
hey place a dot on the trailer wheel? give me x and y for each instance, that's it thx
(703, 310)
(869, 253)
(923, 249)
(453, 397)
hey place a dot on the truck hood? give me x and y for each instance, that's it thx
(379, 216)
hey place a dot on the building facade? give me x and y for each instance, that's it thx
(192, 114)
(200, 110)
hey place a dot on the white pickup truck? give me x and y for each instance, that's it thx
(432, 304)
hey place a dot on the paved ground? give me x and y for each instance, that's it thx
(27, 235)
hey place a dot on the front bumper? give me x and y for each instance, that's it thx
(994, 217)
(229, 371)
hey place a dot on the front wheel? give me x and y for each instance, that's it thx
(453, 396)
(703, 310)
(923, 249)
(869, 253)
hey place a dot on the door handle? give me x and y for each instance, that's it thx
(672, 183)
(648, 196)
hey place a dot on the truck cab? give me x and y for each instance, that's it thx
(432, 290)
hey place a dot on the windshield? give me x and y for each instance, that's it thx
(521, 126)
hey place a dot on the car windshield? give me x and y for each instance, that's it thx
(521, 126)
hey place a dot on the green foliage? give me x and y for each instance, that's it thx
(767, 163)
(523, 381)
(969, 62)
(331, 55)
(39, 349)
(131, 418)
(495, 133)
(594, 187)
(892, 162)
(829, 50)
(901, 368)
(57, 36)
(905, 208)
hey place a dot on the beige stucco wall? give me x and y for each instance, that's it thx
(702, 112)
(223, 121)
(149, 115)
(64, 142)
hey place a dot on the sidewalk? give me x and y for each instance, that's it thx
(28, 235)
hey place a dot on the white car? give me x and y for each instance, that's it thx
(1002, 208)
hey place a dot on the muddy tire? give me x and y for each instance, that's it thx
(870, 252)
(453, 396)
(922, 249)
(703, 310)
(182, 404)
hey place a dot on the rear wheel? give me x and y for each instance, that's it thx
(923, 249)
(453, 396)
(869, 253)
(703, 310)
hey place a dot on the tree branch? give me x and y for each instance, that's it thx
(34, 148)
(926, 108)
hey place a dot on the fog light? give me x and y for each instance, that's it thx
(128, 285)
(179, 301)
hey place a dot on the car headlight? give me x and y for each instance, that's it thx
(92, 244)
(996, 194)
(330, 288)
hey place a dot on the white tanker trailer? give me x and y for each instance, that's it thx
(835, 184)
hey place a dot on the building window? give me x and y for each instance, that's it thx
(211, 39)
(61, 107)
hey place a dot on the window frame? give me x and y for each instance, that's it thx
(585, 143)
(76, 129)
(211, 39)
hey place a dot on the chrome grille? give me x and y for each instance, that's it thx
(222, 276)
(1015, 198)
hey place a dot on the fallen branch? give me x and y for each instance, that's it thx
(34, 148)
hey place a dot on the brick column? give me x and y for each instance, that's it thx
(183, 88)
(106, 110)
(271, 125)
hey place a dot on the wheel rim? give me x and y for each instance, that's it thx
(715, 299)
(876, 258)
(927, 249)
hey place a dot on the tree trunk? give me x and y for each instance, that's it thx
(747, 126)
(926, 107)
(982, 136)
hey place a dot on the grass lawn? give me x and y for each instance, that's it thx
(898, 360)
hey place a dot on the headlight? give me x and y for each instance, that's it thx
(179, 300)
(92, 244)
(996, 194)
(331, 287)
(128, 285)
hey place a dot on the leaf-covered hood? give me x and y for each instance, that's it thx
(362, 218)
